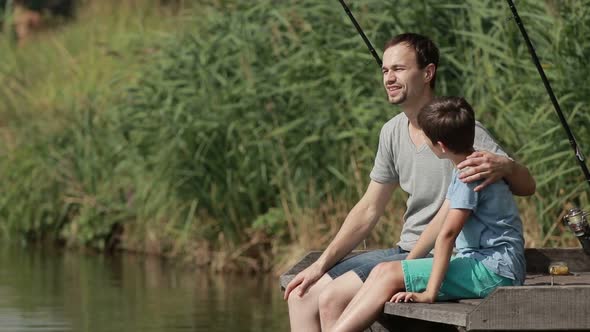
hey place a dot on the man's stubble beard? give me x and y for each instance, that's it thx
(396, 101)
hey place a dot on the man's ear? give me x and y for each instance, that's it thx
(442, 146)
(429, 72)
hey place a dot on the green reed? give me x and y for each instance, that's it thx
(253, 131)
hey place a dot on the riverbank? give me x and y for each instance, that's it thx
(237, 135)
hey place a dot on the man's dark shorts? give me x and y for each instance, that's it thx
(362, 264)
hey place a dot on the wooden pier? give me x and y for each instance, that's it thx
(536, 306)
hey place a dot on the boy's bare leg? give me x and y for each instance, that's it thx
(304, 311)
(336, 296)
(385, 280)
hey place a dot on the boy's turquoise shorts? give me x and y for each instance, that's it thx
(466, 278)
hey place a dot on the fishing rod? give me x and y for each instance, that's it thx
(572, 139)
(575, 218)
(360, 31)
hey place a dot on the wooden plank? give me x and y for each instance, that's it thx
(538, 260)
(533, 308)
(451, 313)
(390, 323)
(471, 301)
(576, 278)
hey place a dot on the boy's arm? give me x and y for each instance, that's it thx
(443, 249)
(428, 237)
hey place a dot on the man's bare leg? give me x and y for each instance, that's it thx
(336, 296)
(384, 280)
(304, 311)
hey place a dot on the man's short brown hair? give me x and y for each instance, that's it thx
(449, 120)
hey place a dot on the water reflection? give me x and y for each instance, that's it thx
(43, 290)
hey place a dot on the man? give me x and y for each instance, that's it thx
(320, 293)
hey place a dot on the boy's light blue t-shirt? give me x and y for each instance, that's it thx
(493, 232)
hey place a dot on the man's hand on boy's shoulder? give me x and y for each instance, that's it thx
(484, 165)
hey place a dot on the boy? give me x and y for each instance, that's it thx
(484, 226)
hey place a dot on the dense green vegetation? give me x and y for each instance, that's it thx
(240, 133)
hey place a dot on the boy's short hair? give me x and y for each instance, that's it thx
(449, 120)
(425, 49)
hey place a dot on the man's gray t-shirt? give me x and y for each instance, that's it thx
(419, 172)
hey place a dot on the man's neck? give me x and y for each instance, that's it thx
(411, 109)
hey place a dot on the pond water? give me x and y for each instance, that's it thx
(48, 290)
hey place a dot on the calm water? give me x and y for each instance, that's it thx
(42, 290)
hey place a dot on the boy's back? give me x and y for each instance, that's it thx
(493, 232)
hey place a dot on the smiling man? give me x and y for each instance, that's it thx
(320, 293)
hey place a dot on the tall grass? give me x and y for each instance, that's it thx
(53, 94)
(246, 139)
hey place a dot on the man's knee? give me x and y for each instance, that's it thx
(387, 269)
(311, 295)
(337, 294)
(327, 299)
(297, 300)
(389, 272)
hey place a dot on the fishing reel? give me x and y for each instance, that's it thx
(575, 219)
